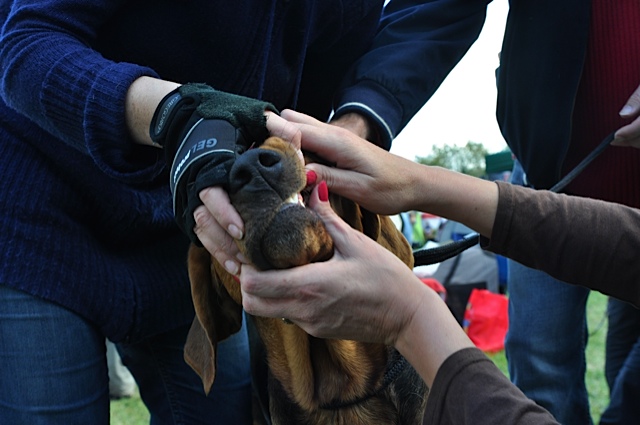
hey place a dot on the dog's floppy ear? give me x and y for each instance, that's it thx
(356, 216)
(370, 224)
(217, 316)
(382, 230)
(379, 228)
(393, 239)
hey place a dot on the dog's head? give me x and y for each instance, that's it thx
(267, 187)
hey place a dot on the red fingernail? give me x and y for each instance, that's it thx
(311, 177)
(323, 191)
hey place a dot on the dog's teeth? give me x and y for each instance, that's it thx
(293, 199)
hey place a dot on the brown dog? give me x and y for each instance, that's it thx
(311, 381)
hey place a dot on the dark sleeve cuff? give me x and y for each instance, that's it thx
(376, 104)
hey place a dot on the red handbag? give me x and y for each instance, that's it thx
(486, 319)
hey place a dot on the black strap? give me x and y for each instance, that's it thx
(438, 254)
(452, 270)
(427, 256)
(583, 164)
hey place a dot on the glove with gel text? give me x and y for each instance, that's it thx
(202, 130)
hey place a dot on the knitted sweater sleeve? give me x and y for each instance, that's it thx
(417, 44)
(577, 240)
(51, 75)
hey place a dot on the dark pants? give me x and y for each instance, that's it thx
(53, 370)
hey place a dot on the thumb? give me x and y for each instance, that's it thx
(336, 227)
(632, 107)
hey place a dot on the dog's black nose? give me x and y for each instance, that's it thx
(255, 170)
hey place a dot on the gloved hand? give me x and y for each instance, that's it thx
(202, 130)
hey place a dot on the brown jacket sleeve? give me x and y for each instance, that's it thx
(489, 397)
(577, 240)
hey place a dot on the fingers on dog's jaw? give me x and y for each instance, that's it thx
(232, 267)
(216, 240)
(214, 198)
(230, 264)
(217, 203)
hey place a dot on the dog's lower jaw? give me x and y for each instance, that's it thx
(275, 243)
(308, 242)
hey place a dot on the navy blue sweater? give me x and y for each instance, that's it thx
(85, 213)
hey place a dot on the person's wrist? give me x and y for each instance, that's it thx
(430, 335)
(359, 125)
(416, 303)
(143, 97)
(416, 189)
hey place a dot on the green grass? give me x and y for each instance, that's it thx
(132, 412)
(596, 381)
(129, 411)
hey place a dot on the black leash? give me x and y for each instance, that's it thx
(438, 254)
(583, 164)
(428, 256)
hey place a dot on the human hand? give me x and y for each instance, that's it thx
(363, 292)
(217, 226)
(202, 131)
(629, 135)
(363, 172)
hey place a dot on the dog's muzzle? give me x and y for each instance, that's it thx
(265, 187)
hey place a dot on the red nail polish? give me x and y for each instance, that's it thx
(323, 191)
(311, 177)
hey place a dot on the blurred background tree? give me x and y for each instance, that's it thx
(468, 159)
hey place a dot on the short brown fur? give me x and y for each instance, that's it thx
(308, 374)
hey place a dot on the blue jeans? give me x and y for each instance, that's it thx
(53, 370)
(545, 344)
(622, 367)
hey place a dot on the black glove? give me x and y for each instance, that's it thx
(202, 130)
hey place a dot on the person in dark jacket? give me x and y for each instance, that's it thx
(91, 249)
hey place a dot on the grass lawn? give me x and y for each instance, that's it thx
(132, 411)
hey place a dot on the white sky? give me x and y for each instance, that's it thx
(463, 108)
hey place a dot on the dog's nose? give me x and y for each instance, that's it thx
(256, 169)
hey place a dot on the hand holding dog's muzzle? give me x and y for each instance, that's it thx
(202, 131)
